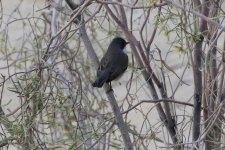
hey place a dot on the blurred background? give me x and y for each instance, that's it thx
(170, 97)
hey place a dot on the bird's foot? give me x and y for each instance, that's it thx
(110, 90)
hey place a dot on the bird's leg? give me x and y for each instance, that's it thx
(110, 85)
(110, 88)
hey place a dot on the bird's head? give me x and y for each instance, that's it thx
(119, 42)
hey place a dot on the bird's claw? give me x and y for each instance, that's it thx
(110, 90)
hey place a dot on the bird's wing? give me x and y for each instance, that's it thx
(103, 72)
(104, 65)
(118, 68)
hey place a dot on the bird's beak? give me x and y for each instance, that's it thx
(127, 43)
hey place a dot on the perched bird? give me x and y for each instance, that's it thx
(113, 63)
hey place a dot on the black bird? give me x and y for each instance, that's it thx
(113, 63)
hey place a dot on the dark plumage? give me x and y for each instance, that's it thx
(113, 63)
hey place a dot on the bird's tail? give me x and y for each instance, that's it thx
(98, 83)
(102, 78)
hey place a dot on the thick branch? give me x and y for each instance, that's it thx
(198, 74)
(118, 116)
